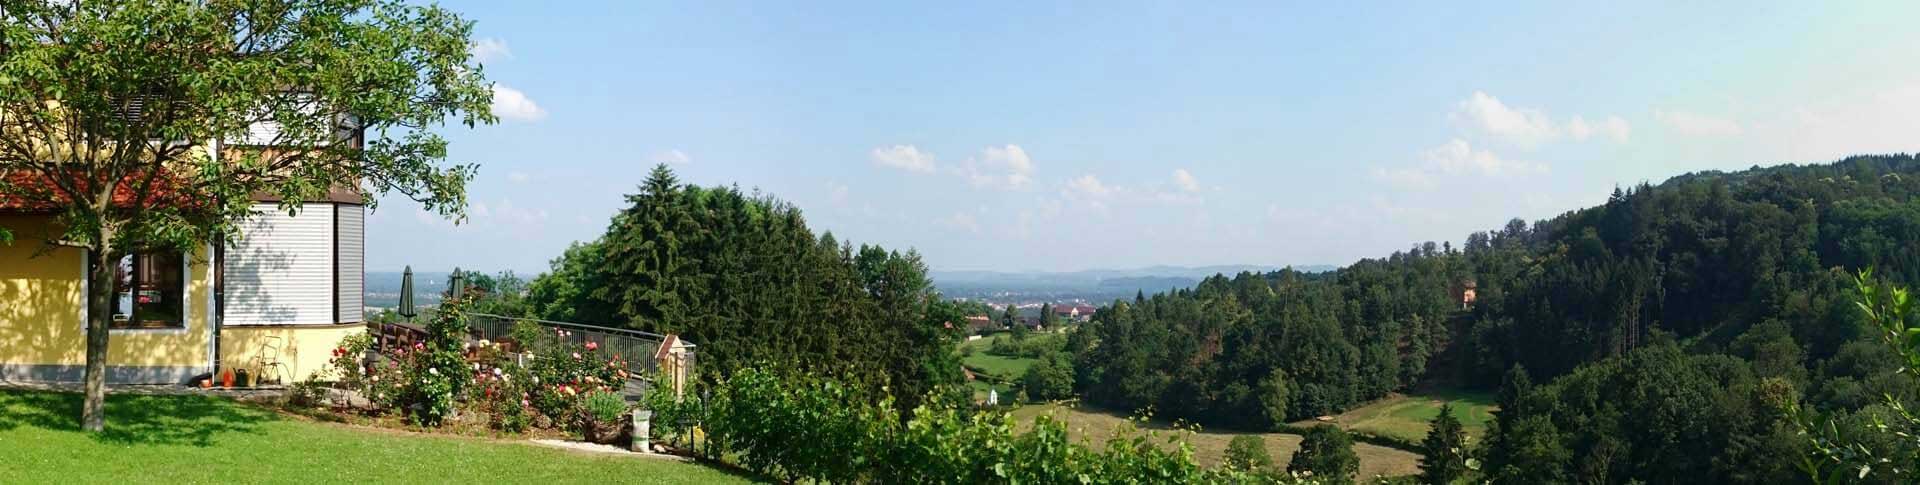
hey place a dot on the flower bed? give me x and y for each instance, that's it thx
(555, 387)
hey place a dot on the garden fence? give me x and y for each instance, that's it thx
(639, 349)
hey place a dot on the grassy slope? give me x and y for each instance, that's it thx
(1406, 417)
(197, 439)
(1006, 367)
(1210, 446)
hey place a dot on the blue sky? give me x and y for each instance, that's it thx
(1041, 136)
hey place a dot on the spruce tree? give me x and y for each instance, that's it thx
(1443, 452)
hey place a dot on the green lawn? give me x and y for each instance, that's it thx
(1407, 416)
(1006, 367)
(199, 439)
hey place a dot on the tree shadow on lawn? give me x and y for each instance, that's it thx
(135, 419)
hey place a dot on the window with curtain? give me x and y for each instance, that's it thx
(150, 292)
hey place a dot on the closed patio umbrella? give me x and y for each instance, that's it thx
(406, 295)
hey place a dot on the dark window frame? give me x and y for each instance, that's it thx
(135, 281)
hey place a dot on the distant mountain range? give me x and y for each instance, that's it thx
(1095, 285)
(1096, 276)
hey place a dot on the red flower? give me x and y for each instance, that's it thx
(593, 346)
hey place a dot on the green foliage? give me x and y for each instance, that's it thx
(741, 275)
(1254, 351)
(776, 424)
(1880, 443)
(323, 73)
(1326, 454)
(1656, 414)
(1248, 452)
(603, 406)
(1032, 348)
(565, 292)
(439, 367)
(1049, 379)
(562, 371)
(504, 294)
(1444, 452)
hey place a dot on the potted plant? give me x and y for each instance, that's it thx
(243, 377)
(601, 417)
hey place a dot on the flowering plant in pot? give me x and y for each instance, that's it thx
(601, 417)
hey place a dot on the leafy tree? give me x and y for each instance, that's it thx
(131, 120)
(1327, 452)
(1048, 379)
(1248, 452)
(1882, 446)
(1444, 452)
(1273, 398)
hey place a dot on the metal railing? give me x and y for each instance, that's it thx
(635, 347)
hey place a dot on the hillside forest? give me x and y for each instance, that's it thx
(1663, 336)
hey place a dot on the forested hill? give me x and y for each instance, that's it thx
(1747, 270)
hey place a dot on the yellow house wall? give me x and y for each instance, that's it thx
(303, 350)
(42, 307)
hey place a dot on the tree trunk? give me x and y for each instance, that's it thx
(100, 283)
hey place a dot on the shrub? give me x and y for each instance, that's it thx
(1327, 454)
(803, 428)
(1048, 380)
(604, 406)
(430, 379)
(1248, 452)
(562, 372)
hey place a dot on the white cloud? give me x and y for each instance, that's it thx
(1530, 127)
(1088, 190)
(904, 157)
(1522, 126)
(1454, 158)
(1089, 186)
(1457, 156)
(511, 104)
(1185, 181)
(1696, 124)
(517, 177)
(479, 210)
(669, 157)
(1612, 127)
(490, 49)
(1001, 167)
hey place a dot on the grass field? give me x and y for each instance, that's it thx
(1210, 446)
(1008, 367)
(200, 439)
(1406, 417)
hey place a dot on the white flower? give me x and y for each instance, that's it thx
(433, 370)
(485, 343)
(496, 371)
(476, 367)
